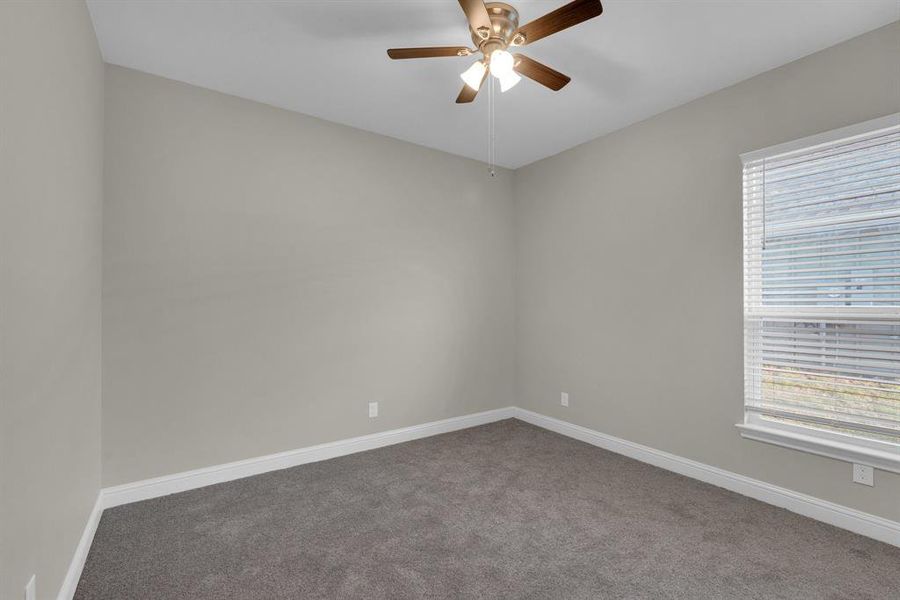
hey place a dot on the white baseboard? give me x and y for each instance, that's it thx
(856, 521)
(189, 480)
(73, 574)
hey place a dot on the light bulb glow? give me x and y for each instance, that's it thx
(501, 64)
(508, 81)
(473, 75)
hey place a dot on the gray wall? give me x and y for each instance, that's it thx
(51, 136)
(268, 274)
(629, 268)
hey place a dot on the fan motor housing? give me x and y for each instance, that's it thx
(504, 22)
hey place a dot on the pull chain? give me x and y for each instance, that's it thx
(491, 130)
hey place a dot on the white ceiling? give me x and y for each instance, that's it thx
(327, 59)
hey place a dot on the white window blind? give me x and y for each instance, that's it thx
(822, 288)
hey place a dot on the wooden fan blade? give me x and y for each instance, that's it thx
(564, 17)
(468, 94)
(478, 17)
(397, 53)
(539, 72)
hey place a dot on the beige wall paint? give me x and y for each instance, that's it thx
(629, 268)
(267, 274)
(51, 152)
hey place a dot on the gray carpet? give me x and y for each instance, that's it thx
(505, 510)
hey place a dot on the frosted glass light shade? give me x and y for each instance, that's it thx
(473, 75)
(508, 81)
(501, 63)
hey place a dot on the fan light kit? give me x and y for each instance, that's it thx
(495, 28)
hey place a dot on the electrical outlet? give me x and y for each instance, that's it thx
(373, 410)
(30, 593)
(564, 399)
(863, 474)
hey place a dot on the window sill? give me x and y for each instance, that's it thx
(814, 445)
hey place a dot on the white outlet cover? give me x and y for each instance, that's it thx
(864, 474)
(564, 399)
(30, 592)
(373, 409)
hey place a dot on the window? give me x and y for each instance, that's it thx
(822, 294)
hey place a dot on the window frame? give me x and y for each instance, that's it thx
(881, 455)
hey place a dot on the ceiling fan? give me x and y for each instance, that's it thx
(495, 27)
